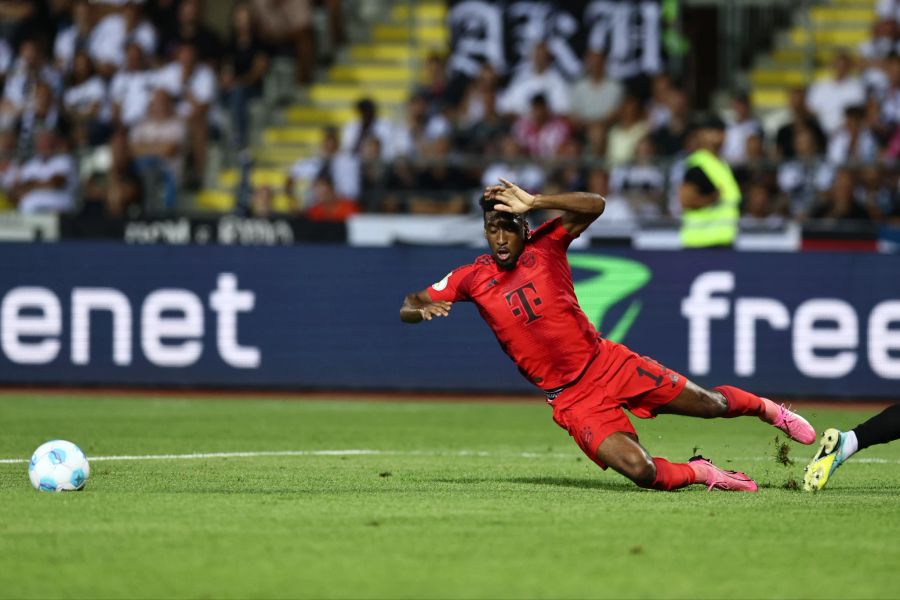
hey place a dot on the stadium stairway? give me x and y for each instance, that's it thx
(803, 54)
(384, 64)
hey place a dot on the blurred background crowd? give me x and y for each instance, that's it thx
(123, 108)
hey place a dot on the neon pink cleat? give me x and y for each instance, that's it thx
(796, 427)
(720, 479)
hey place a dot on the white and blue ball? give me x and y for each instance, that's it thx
(58, 466)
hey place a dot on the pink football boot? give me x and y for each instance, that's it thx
(720, 479)
(795, 426)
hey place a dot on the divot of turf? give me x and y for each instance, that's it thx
(782, 452)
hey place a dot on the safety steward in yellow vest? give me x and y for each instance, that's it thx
(710, 197)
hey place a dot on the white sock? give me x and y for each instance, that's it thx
(850, 445)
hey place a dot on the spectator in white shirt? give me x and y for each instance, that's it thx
(739, 129)
(74, 38)
(853, 141)
(595, 97)
(421, 128)
(641, 183)
(803, 177)
(6, 59)
(630, 127)
(828, 99)
(513, 166)
(25, 73)
(40, 114)
(193, 87)
(131, 88)
(367, 124)
(46, 182)
(618, 214)
(86, 103)
(157, 144)
(479, 98)
(658, 110)
(8, 167)
(874, 52)
(889, 117)
(115, 31)
(888, 9)
(536, 77)
(341, 167)
(882, 43)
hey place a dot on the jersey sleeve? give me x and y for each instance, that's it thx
(454, 287)
(552, 232)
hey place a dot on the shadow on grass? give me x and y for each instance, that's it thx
(569, 482)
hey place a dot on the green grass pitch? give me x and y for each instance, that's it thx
(452, 500)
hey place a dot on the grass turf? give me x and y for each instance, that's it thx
(466, 500)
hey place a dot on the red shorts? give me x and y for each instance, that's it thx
(591, 408)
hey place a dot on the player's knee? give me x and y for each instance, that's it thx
(641, 470)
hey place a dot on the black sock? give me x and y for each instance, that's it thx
(882, 428)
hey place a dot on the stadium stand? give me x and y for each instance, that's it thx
(396, 128)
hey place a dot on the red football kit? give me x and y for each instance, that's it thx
(533, 312)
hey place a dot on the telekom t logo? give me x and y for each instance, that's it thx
(519, 300)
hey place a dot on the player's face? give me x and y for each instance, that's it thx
(506, 238)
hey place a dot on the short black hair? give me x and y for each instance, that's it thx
(488, 205)
(366, 105)
(540, 100)
(711, 121)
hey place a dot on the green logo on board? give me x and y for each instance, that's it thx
(616, 279)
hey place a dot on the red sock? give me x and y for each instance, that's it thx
(671, 476)
(741, 403)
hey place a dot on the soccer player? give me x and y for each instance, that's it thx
(837, 446)
(524, 292)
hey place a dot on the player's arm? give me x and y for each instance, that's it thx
(697, 190)
(418, 307)
(580, 209)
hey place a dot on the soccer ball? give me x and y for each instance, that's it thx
(58, 466)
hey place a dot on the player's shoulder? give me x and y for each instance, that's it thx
(549, 230)
(483, 261)
(472, 269)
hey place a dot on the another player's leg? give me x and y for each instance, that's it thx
(837, 446)
(727, 402)
(625, 455)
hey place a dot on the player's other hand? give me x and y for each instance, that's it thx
(435, 309)
(511, 197)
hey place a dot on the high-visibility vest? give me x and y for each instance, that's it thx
(717, 223)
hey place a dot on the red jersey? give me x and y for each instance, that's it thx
(532, 308)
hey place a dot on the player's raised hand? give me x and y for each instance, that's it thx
(435, 309)
(512, 198)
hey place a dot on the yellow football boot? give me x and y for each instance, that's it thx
(826, 461)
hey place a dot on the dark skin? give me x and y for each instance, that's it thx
(506, 237)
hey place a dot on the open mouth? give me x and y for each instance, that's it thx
(503, 254)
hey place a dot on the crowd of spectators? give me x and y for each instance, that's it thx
(830, 155)
(115, 101)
